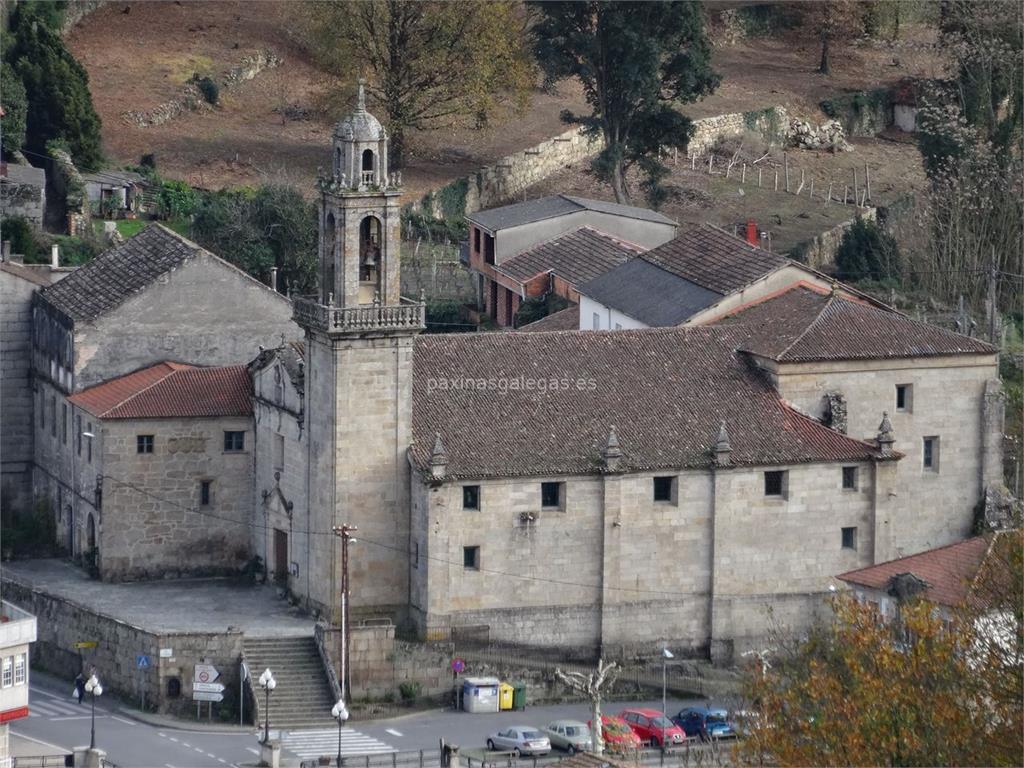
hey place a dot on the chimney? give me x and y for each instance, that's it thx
(6, 250)
(55, 256)
(752, 235)
(273, 278)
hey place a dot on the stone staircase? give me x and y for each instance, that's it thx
(303, 696)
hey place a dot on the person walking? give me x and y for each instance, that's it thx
(80, 687)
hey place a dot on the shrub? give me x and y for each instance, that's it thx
(867, 252)
(445, 316)
(22, 237)
(148, 160)
(15, 108)
(410, 690)
(209, 89)
(176, 199)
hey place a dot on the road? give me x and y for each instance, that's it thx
(58, 723)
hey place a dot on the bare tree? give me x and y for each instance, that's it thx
(591, 685)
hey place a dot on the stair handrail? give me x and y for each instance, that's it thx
(253, 698)
(319, 630)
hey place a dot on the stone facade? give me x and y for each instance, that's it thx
(23, 192)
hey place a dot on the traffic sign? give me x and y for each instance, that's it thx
(458, 665)
(208, 687)
(86, 644)
(142, 661)
(205, 696)
(206, 673)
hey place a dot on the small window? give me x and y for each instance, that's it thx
(775, 483)
(279, 452)
(476, 239)
(19, 669)
(471, 558)
(64, 423)
(930, 453)
(471, 497)
(597, 322)
(415, 554)
(850, 538)
(664, 489)
(234, 442)
(8, 672)
(904, 397)
(53, 416)
(204, 493)
(551, 495)
(849, 478)
(88, 442)
(143, 443)
(78, 435)
(173, 687)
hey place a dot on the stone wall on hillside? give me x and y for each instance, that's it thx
(772, 124)
(820, 252)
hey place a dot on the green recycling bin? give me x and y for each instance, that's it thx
(519, 696)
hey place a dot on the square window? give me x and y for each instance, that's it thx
(471, 497)
(930, 453)
(204, 493)
(143, 443)
(19, 669)
(234, 442)
(471, 558)
(664, 489)
(551, 495)
(849, 478)
(775, 483)
(850, 538)
(904, 397)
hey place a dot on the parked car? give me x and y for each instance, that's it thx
(617, 735)
(653, 727)
(570, 735)
(520, 740)
(705, 723)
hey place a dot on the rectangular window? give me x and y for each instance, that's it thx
(552, 495)
(78, 435)
(476, 239)
(849, 478)
(53, 416)
(64, 423)
(488, 249)
(775, 483)
(279, 452)
(930, 453)
(415, 554)
(19, 669)
(8, 672)
(597, 322)
(471, 497)
(42, 411)
(904, 397)
(471, 558)
(88, 442)
(665, 489)
(204, 493)
(850, 538)
(143, 443)
(234, 442)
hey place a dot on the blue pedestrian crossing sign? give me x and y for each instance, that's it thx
(142, 662)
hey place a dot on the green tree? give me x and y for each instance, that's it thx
(56, 85)
(430, 61)
(637, 63)
(867, 252)
(15, 107)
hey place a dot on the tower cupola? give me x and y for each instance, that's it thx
(361, 149)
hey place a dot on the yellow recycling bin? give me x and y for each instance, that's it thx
(505, 694)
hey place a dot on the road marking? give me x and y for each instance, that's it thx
(210, 754)
(186, 744)
(121, 720)
(253, 750)
(78, 717)
(221, 760)
(393, 732)
(173, 739)
(21, 735)
(168, 765)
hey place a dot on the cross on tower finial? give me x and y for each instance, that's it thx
(361, 98)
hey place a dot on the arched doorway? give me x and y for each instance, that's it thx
(327, 267)
(90, 533)
(369, 259)
(367, 166)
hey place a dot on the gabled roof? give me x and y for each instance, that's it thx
(292, 356)
(803, 324)
(495, 219)
(38, 274)
(948, 572)
(714, 259)
(648, 293)
(170, 390)
(576, 256)
(567, 319)
(548, 400)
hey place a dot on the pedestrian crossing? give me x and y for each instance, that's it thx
(53, 708)
(309, 744)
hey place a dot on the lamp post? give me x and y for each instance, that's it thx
(345, 533)
(93, 687)
(666, 654)
(339, 713)
(268, 683)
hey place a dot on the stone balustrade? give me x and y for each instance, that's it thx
(309, 313)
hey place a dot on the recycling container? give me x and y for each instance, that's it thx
(519, 697)
(505, 694)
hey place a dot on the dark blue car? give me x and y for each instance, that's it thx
(704, 723)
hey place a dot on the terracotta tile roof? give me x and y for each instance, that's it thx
(171, 390)
(577, 256)
(947, 571)
(714, 259)
(665, 390)
(567, 319)
(803, 325)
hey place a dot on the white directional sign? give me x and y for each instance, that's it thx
(204, 696)
(206, 673)
(208, 687)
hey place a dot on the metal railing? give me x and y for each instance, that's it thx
(308, 312)
(319, 632)
(37, 761)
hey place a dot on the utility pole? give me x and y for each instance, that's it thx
(345, 532)
(993, 301)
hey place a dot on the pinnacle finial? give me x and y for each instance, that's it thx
(885, 438)
(439, 455)
(361, 97)
(611, 454)
(723, 448)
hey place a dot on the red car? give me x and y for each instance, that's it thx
(617, 736)
(652, 727)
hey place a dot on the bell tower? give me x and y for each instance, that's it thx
(359, 334)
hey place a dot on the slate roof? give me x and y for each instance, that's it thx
(948, 571)
(171, 390)
(665, 390)
(24, 174)
(649, 293)
(39, 275)
(567, 319)
(576, 256)
(802, 324)
(495, 219)
(714, 259)
(119, 273)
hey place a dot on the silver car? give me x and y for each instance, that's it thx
(520, 740)
(570, 735)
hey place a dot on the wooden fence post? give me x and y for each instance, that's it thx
(776, 179)
(846, 195)
(811, 194)
(785, 162)
(828, 199)
(758, 178)
(867, 180)
(856, 193)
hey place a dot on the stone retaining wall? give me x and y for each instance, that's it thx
(821, 251)
(772, 124)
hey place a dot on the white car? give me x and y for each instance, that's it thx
(520, 740)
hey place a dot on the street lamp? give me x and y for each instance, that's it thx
(666, 654)
(268, 683)
(339, 713)
(93, 687)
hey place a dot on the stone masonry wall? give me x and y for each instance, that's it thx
(772, 124)
(820, 252)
